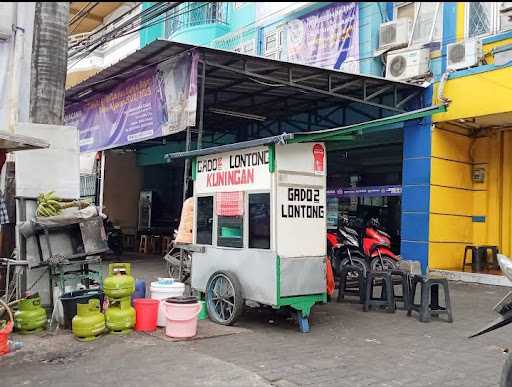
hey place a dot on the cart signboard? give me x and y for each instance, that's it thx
(233, 171)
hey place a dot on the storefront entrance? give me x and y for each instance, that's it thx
(365, 182)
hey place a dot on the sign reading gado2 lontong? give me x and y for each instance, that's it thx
(233, 171)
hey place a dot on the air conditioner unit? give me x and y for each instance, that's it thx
(505, 15)
(464, 54)
(6, 19)
(394, 34)
(407, 64)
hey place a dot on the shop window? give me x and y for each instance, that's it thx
(204, 221)
(424, 16)
(427, 23)
(480, 18)
(230, 231)
(259, 221)
(404, 10)
(273, 44)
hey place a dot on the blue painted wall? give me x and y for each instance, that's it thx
(371, 15)
(417, 145)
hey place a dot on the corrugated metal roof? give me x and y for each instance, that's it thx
(258, 85)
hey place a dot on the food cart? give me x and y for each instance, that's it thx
(260, 228)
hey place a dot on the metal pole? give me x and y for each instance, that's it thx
(201, 108)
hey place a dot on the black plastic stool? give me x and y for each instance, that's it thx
(429, 304)
(344, 290)
(483, 255)
(402, 278)
(475, 259)
(387, 297)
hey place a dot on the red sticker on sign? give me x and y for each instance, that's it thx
(319, 157)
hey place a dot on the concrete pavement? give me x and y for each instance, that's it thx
(346, 347)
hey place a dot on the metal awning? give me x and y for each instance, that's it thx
(10, 142)
(260, 86)
(345, 133)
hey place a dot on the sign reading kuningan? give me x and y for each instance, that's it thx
(233, 171)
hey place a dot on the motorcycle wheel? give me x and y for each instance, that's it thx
(356, 261)
(506, 373)
(388, 263)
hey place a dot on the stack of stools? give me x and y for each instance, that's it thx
(429, 299)
(346, 286)
(118, 287)
(383, 279)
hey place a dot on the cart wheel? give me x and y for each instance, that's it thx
(224, 298)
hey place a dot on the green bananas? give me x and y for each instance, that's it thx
(47, 205)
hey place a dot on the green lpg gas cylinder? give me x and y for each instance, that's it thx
(119, 282)
(89, 322)
(120, 316)
(30, 317)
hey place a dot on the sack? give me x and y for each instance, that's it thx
(186, 222)
(329, 277)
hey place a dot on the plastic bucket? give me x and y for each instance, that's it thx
(181, 319)
(140, 290)
(160, 290)
(146, 310)
(71, 299)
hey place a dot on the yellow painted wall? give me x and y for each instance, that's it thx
(477, 95)
(455, 199)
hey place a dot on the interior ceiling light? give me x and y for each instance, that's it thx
(238, 114)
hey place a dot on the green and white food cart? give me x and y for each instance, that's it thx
(260, 228)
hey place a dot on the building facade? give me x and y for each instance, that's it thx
(454, 166)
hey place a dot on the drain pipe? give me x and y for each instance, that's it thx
(440, 90)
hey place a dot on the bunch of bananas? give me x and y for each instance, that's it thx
(47, 205)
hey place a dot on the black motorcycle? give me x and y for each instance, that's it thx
(504, 309)
(114, 238)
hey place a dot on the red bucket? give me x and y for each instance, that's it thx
(146, 310)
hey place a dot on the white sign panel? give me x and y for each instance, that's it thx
(54, 169)
(301, 200)
(243, 170)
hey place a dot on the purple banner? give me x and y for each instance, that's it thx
(374, 191)
(154, 103)
(328, 37)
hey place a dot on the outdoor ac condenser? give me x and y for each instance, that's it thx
(394, 34)
(407, 64)
(505, 9)
(464, 54)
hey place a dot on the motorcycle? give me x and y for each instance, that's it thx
(504, 309)
(344, 248)
(377, 247)
(179, 262)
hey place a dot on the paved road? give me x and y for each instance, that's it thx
(346, 347)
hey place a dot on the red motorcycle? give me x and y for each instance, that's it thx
(377, 247)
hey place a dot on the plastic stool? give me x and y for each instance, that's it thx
(404, 281)
(343, 288)
(387, 297)
(429, 304)
(156, 244)
(475, 259)
(483, 257)
(143, 245)
(166, 244)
